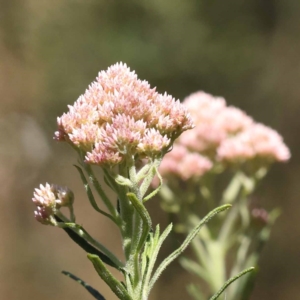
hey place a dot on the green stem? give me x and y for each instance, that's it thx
(228, 224)
(147, 223)
(207, 190)
(138, 225)
(126, 212)
(216, 264)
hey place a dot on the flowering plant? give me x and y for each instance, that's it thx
(221, 160)
(118, 122)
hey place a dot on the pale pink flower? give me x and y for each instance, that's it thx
(102, 156)
(193, 165)
(203, 106)
(44, 196)
(45, 202)
(171, 160)
(152, 143)
(118, 115)
(257, 141)
(44, 215)
(203, 138)
(48, 199)
(169, 116)
(222, 133)
(85, 136)
(184, 165)
(214, 122)
(233, 120)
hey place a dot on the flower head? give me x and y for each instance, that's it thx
(48, 199)
(214, 122)
(257, 141)
(119, 115)
(222, 134)
(183, 164)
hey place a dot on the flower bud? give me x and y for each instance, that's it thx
(48, 200)
(259, 218)
(64, 196)
(44, 215)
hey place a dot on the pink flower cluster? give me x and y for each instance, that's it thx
(222, 134)
(257, 141)
(184, 164)
(48, 199)
(120, 115)
(214, 122)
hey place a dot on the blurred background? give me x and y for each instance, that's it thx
(247, 51)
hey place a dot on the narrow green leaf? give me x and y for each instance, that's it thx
(153, 193)
(101, 192)
(158, 243)
(194, 267)
(116, 286)
(107, 182)
(142, 290)
(91, 196)
(110, 181)
(232, 190)
(118, 206)
(140, 208)
(185, 243)
(142, 173)
(87, 247)
(228, 282)
(90, 289)
(195, 292)
(121, 180)
(248, 286)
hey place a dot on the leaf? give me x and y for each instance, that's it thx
(157, 241)
(195, 292)
(153, 193)
(87, 246)
(185, 243)
(116, 286)
(91, 196)
(101, 192)
(147, 224)
(194, 267)
(90, 289)
(229, 281)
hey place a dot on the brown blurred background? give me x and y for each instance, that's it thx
(247, 51)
